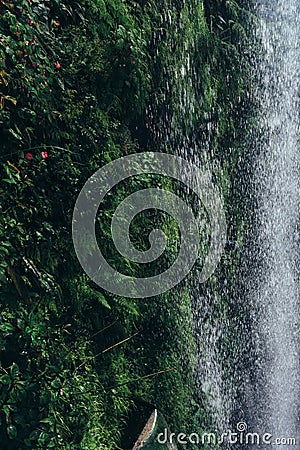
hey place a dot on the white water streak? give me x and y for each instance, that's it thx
(277, 183)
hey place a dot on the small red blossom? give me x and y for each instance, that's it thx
(44, 155)
(29, 156)
(30, 22)
(57, 65)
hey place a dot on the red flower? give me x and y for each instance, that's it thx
(44, 155)
(29, 156)
(30, 22)
(57, 65)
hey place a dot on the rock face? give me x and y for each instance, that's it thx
(147, 431)
(148, 439)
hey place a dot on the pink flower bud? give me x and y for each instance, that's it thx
(29, 156)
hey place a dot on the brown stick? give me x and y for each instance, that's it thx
(115, 345)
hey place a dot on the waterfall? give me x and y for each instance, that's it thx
(274, 291)
(270, 397)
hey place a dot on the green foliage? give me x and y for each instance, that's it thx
(77, 82)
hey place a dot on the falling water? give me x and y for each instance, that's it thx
(275, 288)
(273, 400)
